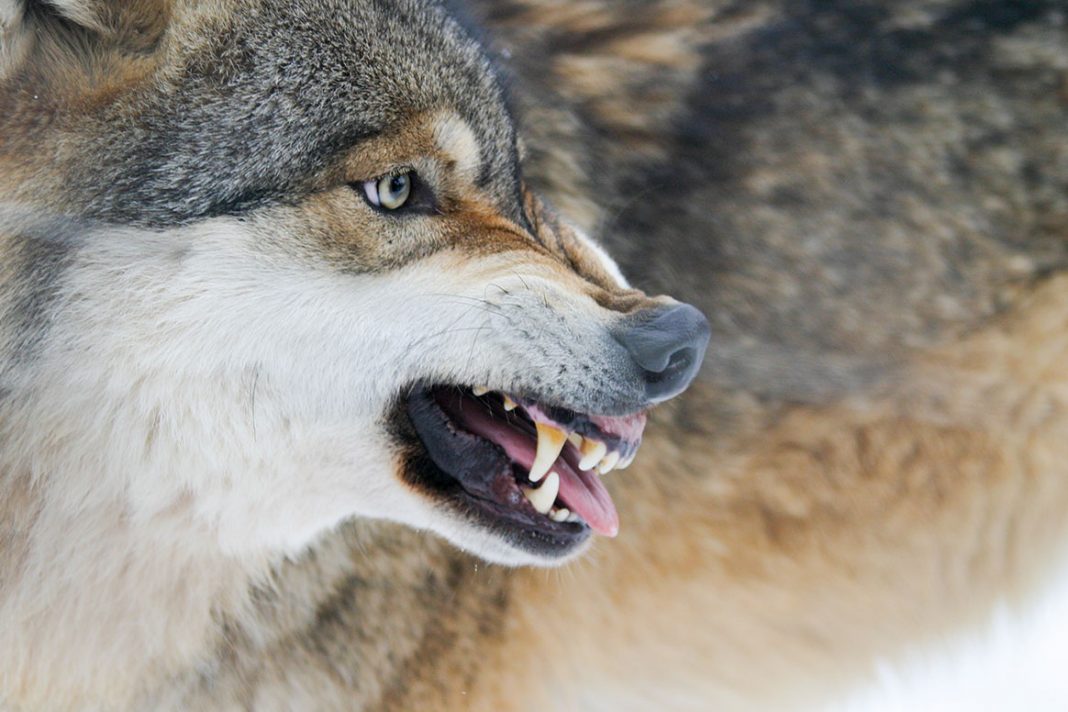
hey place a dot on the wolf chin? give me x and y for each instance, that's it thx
(312, 353)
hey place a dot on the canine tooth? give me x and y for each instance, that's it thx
(593, 451)
(510, 404)
(559, 515)
(575, 439)
(550, 443)
(480, 391)
(543, 497)
(608, 463)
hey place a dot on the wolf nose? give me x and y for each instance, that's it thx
(669, 345)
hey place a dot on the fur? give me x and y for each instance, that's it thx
(865, 198)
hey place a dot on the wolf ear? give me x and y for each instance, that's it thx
(85, 13)
(129, 26)
(135, 25)
(13, 40)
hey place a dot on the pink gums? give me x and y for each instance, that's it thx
(582, 492)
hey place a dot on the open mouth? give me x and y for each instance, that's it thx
(523, 467)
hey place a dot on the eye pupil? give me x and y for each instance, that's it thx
(391, 192)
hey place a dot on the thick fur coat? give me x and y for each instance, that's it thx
(201, 334)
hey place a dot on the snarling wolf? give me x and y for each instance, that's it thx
(308, 324)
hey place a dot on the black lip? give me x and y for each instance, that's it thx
(475, 478)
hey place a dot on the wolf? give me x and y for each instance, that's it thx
(313, 357)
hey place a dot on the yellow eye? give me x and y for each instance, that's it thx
(389, 192)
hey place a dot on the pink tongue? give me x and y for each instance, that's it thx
(584, 495)
(582, 492)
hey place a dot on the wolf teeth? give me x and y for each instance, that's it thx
(624, 463)
(550, 442)
(560, 514)
(480, 391)
(593, 451)
(510, 404)
(608, 463)
(543, 497)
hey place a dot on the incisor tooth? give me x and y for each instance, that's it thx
(560, 514)
(625, 462)
(608, 463)
(543, 497)
(575, 439)
(550, 443)
(480, 391)
(510, 404)
(593, 451)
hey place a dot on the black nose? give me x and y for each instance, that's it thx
(669, 345)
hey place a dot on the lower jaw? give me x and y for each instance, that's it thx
(489, 496)
(543, 544)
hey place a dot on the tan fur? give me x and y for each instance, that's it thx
(628, 74)
(764, 565)
(831, 535)
(823, 536)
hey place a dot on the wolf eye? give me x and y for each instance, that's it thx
(389, 192)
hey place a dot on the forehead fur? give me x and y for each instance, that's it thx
(249, 101)
(455, 140)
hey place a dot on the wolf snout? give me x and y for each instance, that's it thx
(668, 344)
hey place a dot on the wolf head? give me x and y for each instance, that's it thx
(270, 265)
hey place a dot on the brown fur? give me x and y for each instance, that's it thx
(899, 470)
(825, 536)
(771, 549)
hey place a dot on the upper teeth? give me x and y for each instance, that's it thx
(550, 443)
(593, 455)
(593, 451)
(608, 463)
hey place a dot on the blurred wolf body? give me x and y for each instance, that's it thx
(867, 199)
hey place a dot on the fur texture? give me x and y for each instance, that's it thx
(867, 199)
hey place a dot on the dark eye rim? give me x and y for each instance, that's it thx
(421, 199)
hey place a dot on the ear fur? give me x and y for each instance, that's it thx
(133, 26)
(13, 39)
(85, 13)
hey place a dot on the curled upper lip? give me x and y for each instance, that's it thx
(556, 457)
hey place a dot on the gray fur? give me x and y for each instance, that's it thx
(243, 126)
(842, 184)
(847, 181)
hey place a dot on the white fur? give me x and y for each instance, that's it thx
(607, 262)
(207, 400)
(1016, 662)
(454, 137)
(260, 379)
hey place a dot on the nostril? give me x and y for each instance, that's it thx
(669, 346)
(678, 362)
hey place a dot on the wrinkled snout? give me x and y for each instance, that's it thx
(668, 344)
